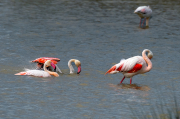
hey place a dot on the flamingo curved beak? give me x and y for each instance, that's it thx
(53, 65)
(79, 70)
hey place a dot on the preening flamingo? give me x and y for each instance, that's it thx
(145, 13)
(77, 63)
(54, 61)
(44, 59)
(133, 66)
(40, 73)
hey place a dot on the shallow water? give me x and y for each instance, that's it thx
(98, 33)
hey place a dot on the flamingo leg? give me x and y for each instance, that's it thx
(143, 22)
(130, 80)
(122, 80)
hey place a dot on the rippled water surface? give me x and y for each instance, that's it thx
(99, 33)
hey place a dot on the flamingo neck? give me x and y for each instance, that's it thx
(148, 61)
(51, 73)
(70, 66)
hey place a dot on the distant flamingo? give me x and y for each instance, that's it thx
(144, 12)
(77, 63)
(40, 73)
(133, 66)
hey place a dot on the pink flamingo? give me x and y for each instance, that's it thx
(40, 73)
(144, 12)
(133, 66)
(42, 60)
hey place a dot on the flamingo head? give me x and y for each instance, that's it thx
(150, 55)
(53, 65)
(48, 63)
(78, 64)
(79, 69)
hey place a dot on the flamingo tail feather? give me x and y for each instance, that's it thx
(21, 73)
(113, 68)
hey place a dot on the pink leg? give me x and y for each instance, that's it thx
(130, 80)
(143, 21)
(122, 80)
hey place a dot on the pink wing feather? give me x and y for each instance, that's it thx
(44, 59)
(129, 65)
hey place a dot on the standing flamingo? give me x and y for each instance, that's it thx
(40, 73)
(145, 13)
(77, 63)
(133, 66)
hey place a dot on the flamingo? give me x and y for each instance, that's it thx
(44, 59)
(133, 66)
(144, 12)
(54, 61)
(40, 73)
(77, 63)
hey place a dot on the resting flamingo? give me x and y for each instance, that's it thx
(77, 63)
(145, 13)
(133, 66)
(40, 73)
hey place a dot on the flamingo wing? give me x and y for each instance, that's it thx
(44, 59)
(132, 64)
(143, 10)
(136, 68)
